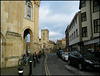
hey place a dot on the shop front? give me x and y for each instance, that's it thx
(93, 46)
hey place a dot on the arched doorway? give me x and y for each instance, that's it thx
(27, 46)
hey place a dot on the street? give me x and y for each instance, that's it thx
(56, 66)
(51, 65)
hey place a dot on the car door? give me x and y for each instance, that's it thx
(77, 58)
(72, 57)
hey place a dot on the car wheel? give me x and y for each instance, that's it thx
(64, 58)
(69, 62)
(80, 66)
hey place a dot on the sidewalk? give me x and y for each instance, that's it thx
(37, 70)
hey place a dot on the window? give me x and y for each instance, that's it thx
(83, 3)
(83, 16)
(44, 46)
(28, 10)
(97, 26)
(69, 38)
(84, 32)
(76, 20)
(76, 33)
(43, 38)
(96, 6)
(43, 34)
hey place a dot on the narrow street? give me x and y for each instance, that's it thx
(56, 66)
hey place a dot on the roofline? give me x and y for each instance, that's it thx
(74, 18)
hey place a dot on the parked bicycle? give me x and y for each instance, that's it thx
(24, 60)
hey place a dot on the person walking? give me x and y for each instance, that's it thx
(34, 59)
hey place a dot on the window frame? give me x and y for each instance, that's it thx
(83, 3)
(76, 32)
(83, 17)
(28, 10)
(84, 32)
(97, 5)
(74, 35)
(96, 26)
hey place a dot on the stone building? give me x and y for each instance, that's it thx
(63, 43)
(59, 44)
(67, 38)
(18, 18)
(52, 46)
(45, 44)
(44, 41)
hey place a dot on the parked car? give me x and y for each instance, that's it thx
(84, 60)
(57, 52)
(65, 56)
(60, 53)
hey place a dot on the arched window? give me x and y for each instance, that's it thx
(28, 10)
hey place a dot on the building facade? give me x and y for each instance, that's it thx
(52, 46)
(18, 18)
(59, 44)
(45, 44)
(63, 43)
(90, 20)
(44, 41)
(75, 32)
(67, 38)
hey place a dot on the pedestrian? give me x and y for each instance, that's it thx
(34, 59)
(37, 57)
(43, 52)
(39, 54)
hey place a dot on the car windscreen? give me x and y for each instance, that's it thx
(66, 53)
(87, 54)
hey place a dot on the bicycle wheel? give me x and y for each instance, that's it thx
(20, 62)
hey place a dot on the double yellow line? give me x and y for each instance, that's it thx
(45, 66)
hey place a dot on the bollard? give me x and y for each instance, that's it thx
(20, 71)
(30, 71)
(34, 61)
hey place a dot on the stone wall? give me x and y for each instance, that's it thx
(13, 25)
(14, 48)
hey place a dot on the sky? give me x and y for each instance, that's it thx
(56, 16)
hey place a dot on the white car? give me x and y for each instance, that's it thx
(65, 56)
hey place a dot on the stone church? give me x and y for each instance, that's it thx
(18, 18)
(44, 41)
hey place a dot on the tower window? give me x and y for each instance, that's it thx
(28, 10)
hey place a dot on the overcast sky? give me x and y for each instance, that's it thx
(55, 16)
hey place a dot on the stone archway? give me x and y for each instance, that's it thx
(26, 32)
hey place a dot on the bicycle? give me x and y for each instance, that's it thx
(24, 61)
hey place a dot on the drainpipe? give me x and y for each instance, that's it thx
(91, 21)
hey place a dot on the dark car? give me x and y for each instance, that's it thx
(60, 53)
(84, 60)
